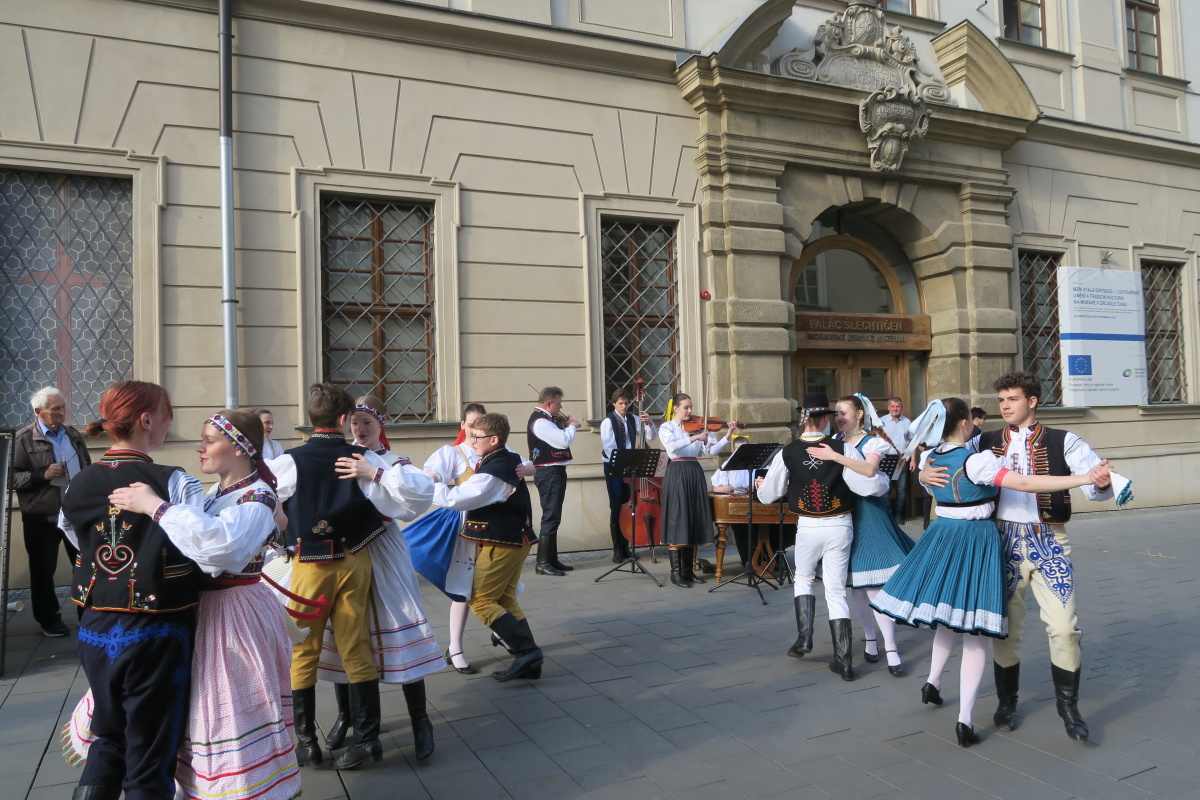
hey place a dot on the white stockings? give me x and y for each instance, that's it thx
(974, 661)
(458, 624)
(871, 621)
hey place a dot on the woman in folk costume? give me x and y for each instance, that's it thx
(238, 744)
(953, 580)
(402, 639)
(687, 513)
(879, 544)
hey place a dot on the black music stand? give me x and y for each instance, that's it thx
(636, 463)
(751, 457)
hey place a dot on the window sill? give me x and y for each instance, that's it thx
(1156, 77)
(409, 430)
(1170, 410)
(1064, 413)
(1004, 41)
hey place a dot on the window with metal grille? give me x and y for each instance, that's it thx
(641, 289)
(378, 301)
(1025, 21)
(1141, 35)
(66, 312)
(903, 6)
(1040, 351)
(1162, 289)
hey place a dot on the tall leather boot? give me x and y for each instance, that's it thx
(336, 737)
(96, 792)
(678, 576)
(1008, 681)
(558, 565)
(620, 545)
(694, 575)
(364, 715)
(546, 556)
(527, 656)
(806, 609)
(843, 647)
(414, 698)
(304, 711)
(1066, 697)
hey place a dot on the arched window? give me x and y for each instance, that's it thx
(840, 278)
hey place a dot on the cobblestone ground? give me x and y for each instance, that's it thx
(666, 693)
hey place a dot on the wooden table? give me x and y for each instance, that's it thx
(730, 509)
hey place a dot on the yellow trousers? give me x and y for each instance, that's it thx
(346, 584)
(1038, 557)
(494, 589)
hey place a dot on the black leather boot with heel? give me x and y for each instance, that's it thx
(1008, 682)
(1066, 698)
(527, 656)
(336, 738)
(806, 608)
(365, 717)
(414, 698)
(843, 648)
(678, 576)
(304, 712)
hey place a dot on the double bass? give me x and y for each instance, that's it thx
(646, 529)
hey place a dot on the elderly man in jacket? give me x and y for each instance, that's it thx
(47, 454)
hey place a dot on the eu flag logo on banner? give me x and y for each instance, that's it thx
(1079, 365)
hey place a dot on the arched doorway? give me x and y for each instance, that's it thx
(856, 323)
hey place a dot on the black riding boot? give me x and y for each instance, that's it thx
(546, 557)
(843, 648)
(678, 578)
(1008, 681)
(558, 565)
(1066, 697)
(94, 792)
(806, 609)
(336, 737)
(694, 575)
(304, 711)
(414, 698)
(527, 656)
(364, 715)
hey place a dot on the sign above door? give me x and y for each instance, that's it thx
(820, 331)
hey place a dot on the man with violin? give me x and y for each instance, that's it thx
(550, 433)
(622, 430)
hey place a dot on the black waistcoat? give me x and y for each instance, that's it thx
(508, 523)
(126, 562)
(540, 452)
(815, 487)
(328, 517)
(1047, 456)
(626, 435)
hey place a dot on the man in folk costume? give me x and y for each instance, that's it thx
(550, 434)
(620, 430)
(331, 522)
(1036, 549)
(819, 476)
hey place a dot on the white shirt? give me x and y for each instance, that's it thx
(476, 492)
(405, 495)
(232, 529)
(1022, 506)
(897, 430)
(880, 483)
(982, 470)
(738, 480)
(608, 439)
(676, 441)
(556, 437)
(776, 483)
(271, 449)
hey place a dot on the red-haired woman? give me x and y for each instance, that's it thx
(138, 584)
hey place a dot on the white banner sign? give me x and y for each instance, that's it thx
(1102, 324)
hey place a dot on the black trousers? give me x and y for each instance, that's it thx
(551, 484)
(139, 667)
(618, 495)
(42, 538)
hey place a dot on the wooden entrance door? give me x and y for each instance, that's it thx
(878, 374)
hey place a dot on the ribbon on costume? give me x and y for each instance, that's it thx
(871, 418)
(925, 430)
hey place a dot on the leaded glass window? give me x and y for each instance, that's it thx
(1041, 353)
(378, 302)
(66, 311)
(1163, 293)
(641, 290)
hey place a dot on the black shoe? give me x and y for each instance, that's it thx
(896, 670)
(527, 661)
(95, 792)
(1008, 681)
(467, 670)
(546, 557)
(423, 743)
(930, 694)
(1066, 698)
(56, 630)
(843, 648)
(870, 658)
(336, 737)
(552, 558)
(965, 735)
(304, 712)
(364, 714)
(678, 578)
(805, 606)
(561, 566)
(548, 569)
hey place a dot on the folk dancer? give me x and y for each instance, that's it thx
(550, 434)
(820, 481)
(137, 585)
(402, 638)
(1037, 552)
(331, 523)
(620, 431)
(953, 580)
(499, 519)
(879, 544)
(687, 512)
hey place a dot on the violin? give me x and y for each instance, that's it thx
(696, 423)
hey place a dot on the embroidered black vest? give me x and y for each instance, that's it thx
(1046, 457)
(328, 517)
(509, 523)
(126, 562)
(626, 435)
(540, 452)
(815, 487)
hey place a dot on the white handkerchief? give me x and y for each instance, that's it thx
(1122, 489)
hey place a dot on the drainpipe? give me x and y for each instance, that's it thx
(228, 267)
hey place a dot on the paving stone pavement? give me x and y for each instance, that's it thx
(670, 693)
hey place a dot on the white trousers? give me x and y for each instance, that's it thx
(825, 540)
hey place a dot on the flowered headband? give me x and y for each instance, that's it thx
(374, 412)
(239, 439)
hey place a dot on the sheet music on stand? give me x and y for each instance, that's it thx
(751, 458)
(637, 463)
(7, 440)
